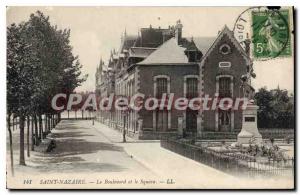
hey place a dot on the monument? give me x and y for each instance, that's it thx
(249, 133)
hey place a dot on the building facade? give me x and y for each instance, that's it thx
(160, 61)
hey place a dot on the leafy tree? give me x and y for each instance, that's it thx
(40, 64)
(276, 108)
(20, 65)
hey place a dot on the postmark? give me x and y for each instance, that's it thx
(268, 31)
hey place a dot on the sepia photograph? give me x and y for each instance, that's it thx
(150, 97)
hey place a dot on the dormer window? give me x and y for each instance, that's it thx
(192, 52)
(192, 56)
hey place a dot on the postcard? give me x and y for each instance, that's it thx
(150, 97)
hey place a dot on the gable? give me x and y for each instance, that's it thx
(228, 35)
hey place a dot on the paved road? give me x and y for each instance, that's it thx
(81, 148)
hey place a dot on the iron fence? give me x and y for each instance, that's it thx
(232, 163)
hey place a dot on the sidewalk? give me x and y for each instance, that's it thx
(184, 172)
(116, 136)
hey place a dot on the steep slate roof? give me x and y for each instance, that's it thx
(204, 43)
(191, 46)
(127, 42)
(140, 52)
(171, 53)
(168, 53)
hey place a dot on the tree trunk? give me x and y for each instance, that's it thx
(45, 121)
(49, 124)
(82, 113)
(68, 113)
(28, 134)
(10, 146)
(13, 121)
(41, 127)
(75, 114)
(52, 121)
(32, 133)
(22, 145)
(49, 121)
(36, 131)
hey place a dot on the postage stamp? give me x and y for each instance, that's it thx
(271, 33)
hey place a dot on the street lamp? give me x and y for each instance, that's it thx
(93, 117)
(124, 113)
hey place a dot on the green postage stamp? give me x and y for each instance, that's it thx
(271, 34)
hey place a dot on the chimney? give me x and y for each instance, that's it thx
(178, 31)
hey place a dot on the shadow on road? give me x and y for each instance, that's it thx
(70, 134)
(73, 142)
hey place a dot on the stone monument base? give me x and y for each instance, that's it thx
(249, 133)
(245, 137)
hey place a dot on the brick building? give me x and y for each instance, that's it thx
(162, 61)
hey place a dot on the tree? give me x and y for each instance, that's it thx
(40, 64)
(276, 108)
(20, 64)
(59, 70)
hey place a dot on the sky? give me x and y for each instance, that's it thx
(97, 30)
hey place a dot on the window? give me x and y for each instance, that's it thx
(224, 64)
(225, 49)
(162, 87)
(161, 118)
(224, 87)
(224, 117)
(192, 87)
(192, 56)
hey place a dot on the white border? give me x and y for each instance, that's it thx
(5, 3)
